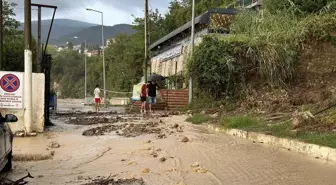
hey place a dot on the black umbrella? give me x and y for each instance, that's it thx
(155, 77)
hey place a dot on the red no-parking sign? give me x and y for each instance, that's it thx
(11, 90)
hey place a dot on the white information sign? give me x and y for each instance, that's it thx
(11, 90)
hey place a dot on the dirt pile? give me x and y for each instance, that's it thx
(88, 121)
(127, 130)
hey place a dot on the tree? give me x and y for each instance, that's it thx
(122, 65)
(70, 45)
(68, 70)
(82, 49)
(13, 44)
(51, 50)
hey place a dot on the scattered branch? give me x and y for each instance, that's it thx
(21, 181)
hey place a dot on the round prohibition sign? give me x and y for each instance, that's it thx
(10, 83)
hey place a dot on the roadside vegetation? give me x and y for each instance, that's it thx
(281, 129)
(275, 68)
(199, 119)
(263, 47)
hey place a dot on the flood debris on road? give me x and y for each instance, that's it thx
(163, 159)
(89, 113)
(101, 180)
(146, 170)
(127, 130)
(189, 154)
(21, 181)
(54, 145)
(23, 134)
(33, 157)
(98, 120)
(199, 170)
(185, 140)
(87, 121)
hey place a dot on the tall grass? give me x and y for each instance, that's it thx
(199, 119)
(275, 40)
(262, 45)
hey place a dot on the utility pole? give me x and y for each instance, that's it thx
(192, 49)
(104, 72)
(149, 29)
(28, 63)
(39, 55)
(146, 40)
(1, 36)
(85, 72)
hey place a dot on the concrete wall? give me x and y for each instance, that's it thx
(38, 107)
(120, 101)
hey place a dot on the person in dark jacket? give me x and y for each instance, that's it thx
(151, 94)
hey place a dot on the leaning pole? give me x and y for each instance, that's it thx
(28, 64)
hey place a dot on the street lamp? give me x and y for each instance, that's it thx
(192, 48)
(104, 76)
(85, 69)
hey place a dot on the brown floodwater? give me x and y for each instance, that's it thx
(206, 159)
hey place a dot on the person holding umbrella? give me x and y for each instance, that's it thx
(151, 89)
(151, 94)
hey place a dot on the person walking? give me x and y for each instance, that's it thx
(151, 94)
(143, 97)
(97, 98)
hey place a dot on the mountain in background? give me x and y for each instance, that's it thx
(64, 30)
(93, 35)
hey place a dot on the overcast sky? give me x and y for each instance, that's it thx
(115, 11)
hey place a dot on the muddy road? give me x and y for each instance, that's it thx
(130, 150)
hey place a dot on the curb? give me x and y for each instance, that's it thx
(312, 150)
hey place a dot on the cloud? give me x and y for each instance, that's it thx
(115, 11)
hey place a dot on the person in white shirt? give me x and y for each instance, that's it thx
(97, 97)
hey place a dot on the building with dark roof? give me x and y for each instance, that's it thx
(169, 54)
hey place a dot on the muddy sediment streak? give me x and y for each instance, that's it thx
(117, 182)
(126, 130)
(72, 114)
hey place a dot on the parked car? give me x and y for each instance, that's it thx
(6, 142)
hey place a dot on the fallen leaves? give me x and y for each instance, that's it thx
(146, 170)
(199, 170)
(132, 163)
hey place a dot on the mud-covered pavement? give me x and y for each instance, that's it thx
(131, 150)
